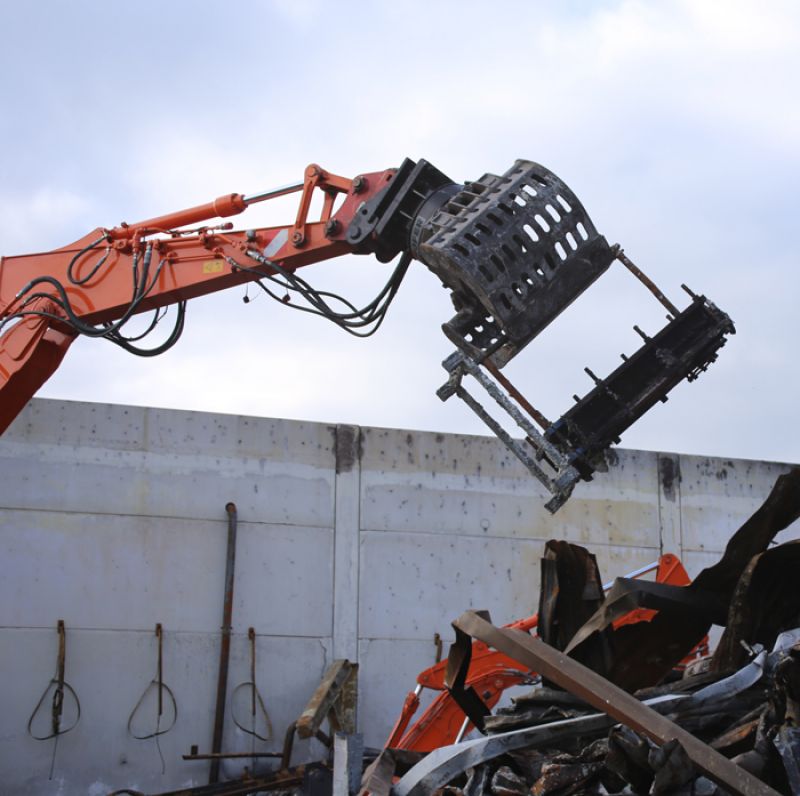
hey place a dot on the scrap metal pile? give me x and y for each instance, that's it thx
(615, 711)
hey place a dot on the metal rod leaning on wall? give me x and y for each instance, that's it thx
(225, 644)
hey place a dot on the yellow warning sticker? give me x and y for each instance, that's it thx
(213, 266)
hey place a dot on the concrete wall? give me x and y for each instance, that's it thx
(358, 543)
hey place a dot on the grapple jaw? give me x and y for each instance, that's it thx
(515, 251)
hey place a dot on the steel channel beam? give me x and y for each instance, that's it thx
(334, 686)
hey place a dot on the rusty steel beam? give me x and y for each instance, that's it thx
(334, 699)
(605, 696)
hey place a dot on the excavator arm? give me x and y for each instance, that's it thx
(515, 250)
(96, 284)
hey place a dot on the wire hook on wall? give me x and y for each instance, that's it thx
(158, 685)
(256, 701)
(59, 688)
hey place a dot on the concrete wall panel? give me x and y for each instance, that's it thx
(436, 483)
(431, 579)
(355, 542)
(125, 572)
(718, 495)
(184, 474)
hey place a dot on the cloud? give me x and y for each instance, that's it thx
(42, 218)
(675, 123)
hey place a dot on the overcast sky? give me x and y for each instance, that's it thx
(676, 123)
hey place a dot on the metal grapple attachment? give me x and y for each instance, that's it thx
(560, 454)
(516, 250)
